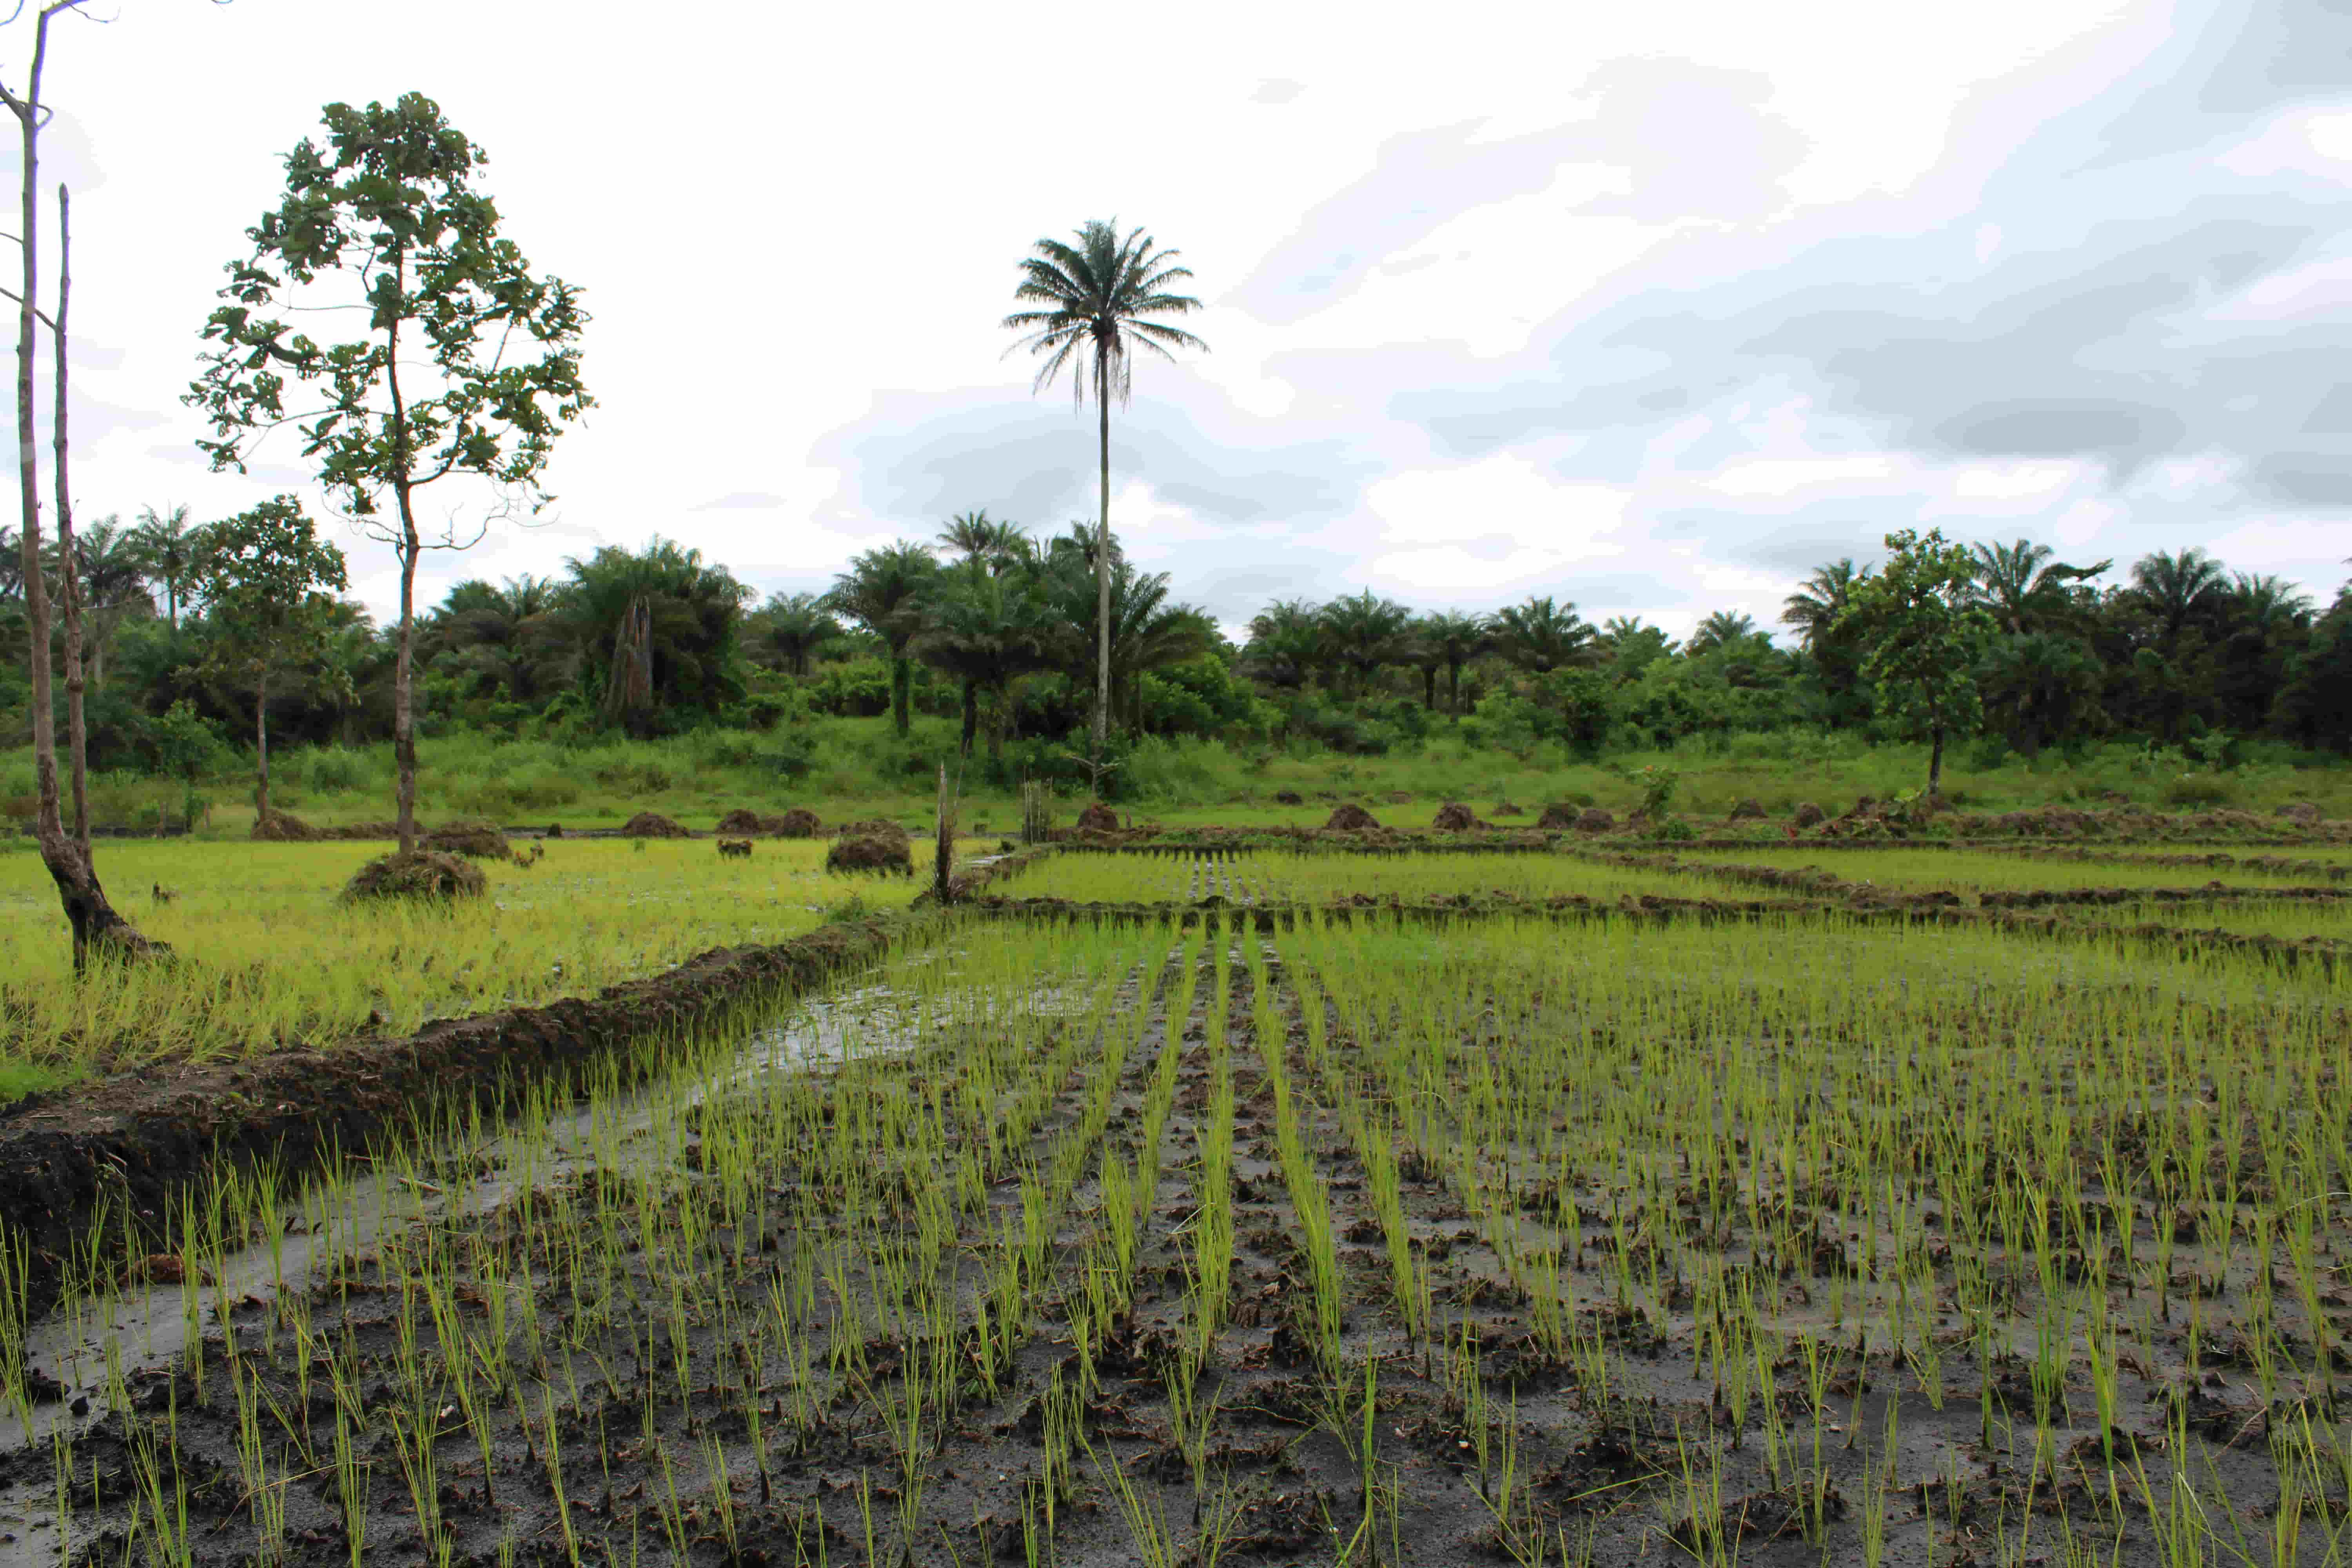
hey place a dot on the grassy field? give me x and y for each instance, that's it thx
(853, 767)
(1799, 1240)
(268, 955)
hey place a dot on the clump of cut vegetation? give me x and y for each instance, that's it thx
(474, 837)
(417, 874)
(1350, 818)
(284, 828)
(651, 825)
(871, 852)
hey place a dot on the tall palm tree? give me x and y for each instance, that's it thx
(1368, 633)
(170, 542)
(1454, 639)
(2025, 589)
(884, 591)
(1095, 296)
(1540, 636)
(1632, 645)
(1813, 609)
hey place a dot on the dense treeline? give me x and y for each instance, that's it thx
(996, 627)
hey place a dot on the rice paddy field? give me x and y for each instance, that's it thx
(1964, 871)
(1263, 877)
(1797, 1237)
(271, 956)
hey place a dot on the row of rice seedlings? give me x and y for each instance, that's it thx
(1873, 1091)
(1962, 872)
(626, 1261)
(268, 955)
(2291, 920)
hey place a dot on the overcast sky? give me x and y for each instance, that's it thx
(1649, 307)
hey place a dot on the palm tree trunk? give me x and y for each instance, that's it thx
(1102, 563)
(1429, 688)
(971, 714)
(1454, 688)
(902, 680)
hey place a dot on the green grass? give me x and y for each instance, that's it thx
(268, 955)
(856, 767)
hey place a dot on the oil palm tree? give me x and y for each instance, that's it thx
(884, 591)
(667, 624)
(1452, 640)
(2025, 589)
(976, 537)
(1721, 629)
(1368, 633)
(113, 566)
(1147, 632)
(792, 627)
(1095, 296)
(1287, 643)
(1813, 609)
(1540, 636)
(985, 629)
(170, 542)
(2176, 585)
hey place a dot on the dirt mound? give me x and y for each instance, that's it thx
(1288, 797)
(2301, 811)
(1455, 817)
(798, 823)
(1098, 818)
(1748, 810)
(1558, 817)
(1350, 818)
(651, 825)
(419, 874)
(870, 852)
(1808, 815)
(277, 827)
(471, 835)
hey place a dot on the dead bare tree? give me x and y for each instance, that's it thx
(98, 931)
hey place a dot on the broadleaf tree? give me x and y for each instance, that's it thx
(388, 211)
(1922, 633)
(264, 578)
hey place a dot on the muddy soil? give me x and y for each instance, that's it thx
(635, 1412)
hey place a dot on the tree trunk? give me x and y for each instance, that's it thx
(1000, 707)
(96, 928)
(261, 748)
(403, 683)
(1429, 688)
(1454, 688)
(1936, 762)
(902, 681)
(1102, 563)
(971, 714)
(68, 576)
